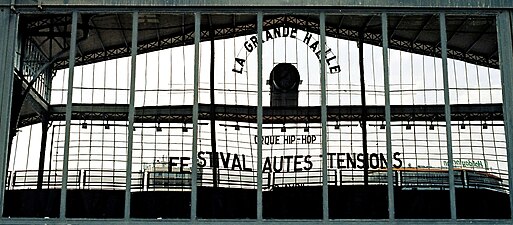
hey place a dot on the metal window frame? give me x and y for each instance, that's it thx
(504, 39)
(72, 52)
(324, 119)
(195, 109)
(504, 27)
(447, 107)
(8, 41)
(260, 18)
(131, 113)
(386, 81)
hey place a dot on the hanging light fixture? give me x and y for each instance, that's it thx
(408, 126)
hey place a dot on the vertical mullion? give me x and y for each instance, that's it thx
(9, 22)
(324, 117)
(4, 96)
(390, 173)
(447, 106)
(69, 103)
(131, 113)
(259, 116)
(504, 28)
(195, 108)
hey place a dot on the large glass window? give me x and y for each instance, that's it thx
(124, 143)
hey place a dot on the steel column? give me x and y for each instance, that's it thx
(504, 28)
(363, 121)
(131, 113)
(69, 103)
(260, 113)
(195, 110)
(8, 22)
(390, 172)
(213, 143)
(324, 119)
(42, 152)
(447, 107)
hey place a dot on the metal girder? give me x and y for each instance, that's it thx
(424, 25)
(405, 4)
(483, 33)
(221, 31)
(278, 115)
(14, 221)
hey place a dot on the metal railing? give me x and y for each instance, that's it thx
(27, 179)
(406, 179)
(436, 179)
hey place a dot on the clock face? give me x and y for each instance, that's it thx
(285, 76)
